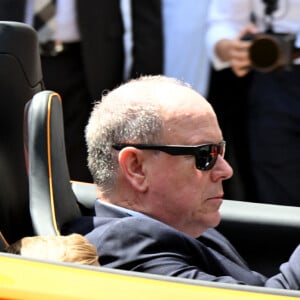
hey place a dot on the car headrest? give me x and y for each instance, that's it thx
(52, 200)
(20, 79)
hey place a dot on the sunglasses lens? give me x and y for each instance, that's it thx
(207, 156)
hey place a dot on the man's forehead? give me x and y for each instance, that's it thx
(190, 113)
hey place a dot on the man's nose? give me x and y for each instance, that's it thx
(221, 170)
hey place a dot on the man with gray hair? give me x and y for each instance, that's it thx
(156, 153)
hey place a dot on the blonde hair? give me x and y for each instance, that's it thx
(73, 248)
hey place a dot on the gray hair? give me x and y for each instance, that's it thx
(109, 123)
(128, 114)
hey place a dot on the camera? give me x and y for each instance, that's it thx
(271, 51)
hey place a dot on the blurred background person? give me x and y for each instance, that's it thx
(82, 54)
(273, 102)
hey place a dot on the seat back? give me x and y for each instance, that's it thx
(52, 200)
(20, 79)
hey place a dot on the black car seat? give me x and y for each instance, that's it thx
(54, 199)
(20, 79)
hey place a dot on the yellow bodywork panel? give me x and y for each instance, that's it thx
(28, 279)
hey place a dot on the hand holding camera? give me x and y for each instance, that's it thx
(236, 51)
(270, 51)
(262, 51)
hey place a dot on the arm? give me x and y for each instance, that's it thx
(150, 246)
(228, 21)
(289, 276)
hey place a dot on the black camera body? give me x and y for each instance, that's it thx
(271, 51)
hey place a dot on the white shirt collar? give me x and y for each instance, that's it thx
(126, 210)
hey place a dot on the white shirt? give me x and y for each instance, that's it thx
(125, 210)
(125, 6)
(227, 17)
(66, 20)
(185, 56)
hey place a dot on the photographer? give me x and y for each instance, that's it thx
(273, 114)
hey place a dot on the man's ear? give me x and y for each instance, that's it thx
(131, 161)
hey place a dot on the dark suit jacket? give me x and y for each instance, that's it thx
(147, 245)
(101, 28)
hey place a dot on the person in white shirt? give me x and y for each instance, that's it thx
(274, 96)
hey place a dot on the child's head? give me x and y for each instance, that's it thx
(73, 248)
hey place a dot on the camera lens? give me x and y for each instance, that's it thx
(265, 53)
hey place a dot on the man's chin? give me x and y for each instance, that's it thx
(214, 219)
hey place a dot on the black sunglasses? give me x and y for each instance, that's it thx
(205, 155)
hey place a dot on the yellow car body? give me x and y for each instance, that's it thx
(22, 278)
